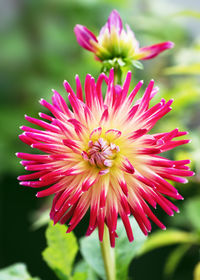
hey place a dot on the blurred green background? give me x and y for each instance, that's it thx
(38, 52)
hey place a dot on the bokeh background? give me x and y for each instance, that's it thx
(38, 51)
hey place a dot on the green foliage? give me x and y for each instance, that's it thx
(39, 219)
(91, 252)
(183, 69)
(125, 251)
(39, 51)
(197, 272)
(174, 259)
(169, 237)
(189, 216)
(83, 271)
(16, 271)
(61, 251)
(137, 64)
(189, 13)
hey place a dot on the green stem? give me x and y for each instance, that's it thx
(108, 255)
(118, 75)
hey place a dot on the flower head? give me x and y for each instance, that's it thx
(99, 156)
(114, 42)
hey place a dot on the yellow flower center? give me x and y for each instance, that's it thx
(101, 153)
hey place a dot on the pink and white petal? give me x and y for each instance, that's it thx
(114, 21)
(84, 37)
(154, 50)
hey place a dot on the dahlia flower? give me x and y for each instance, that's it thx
(99, 156)
(114, 42)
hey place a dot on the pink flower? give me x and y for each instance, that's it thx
(115, 42)
(100, 157)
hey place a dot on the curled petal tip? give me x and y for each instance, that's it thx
(84, 37)
(65, 83)
(41, 101)
(170, 44)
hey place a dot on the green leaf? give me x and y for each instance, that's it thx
(166, 238)
(183, 69)
(16, 271)
(174, 259)
(120, 62)
(83, 271)
(91, 252)
(137, 64)
(61, 250)
(40, 219)
(189, 13)
(124, 250)
(80, 276)
(186, 93)
(197, 272)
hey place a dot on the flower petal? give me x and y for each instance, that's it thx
(84, 37)
(115, 21)
(154, 50)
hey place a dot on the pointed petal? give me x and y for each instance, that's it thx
(84, 37)
(114, 20)
(153, 50)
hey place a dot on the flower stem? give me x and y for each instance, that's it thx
(108, 255)
(118, 75)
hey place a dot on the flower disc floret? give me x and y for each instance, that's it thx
(99, 156)
(101, 153)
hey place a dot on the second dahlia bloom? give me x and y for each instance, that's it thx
(99, 156)
(114, 42)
